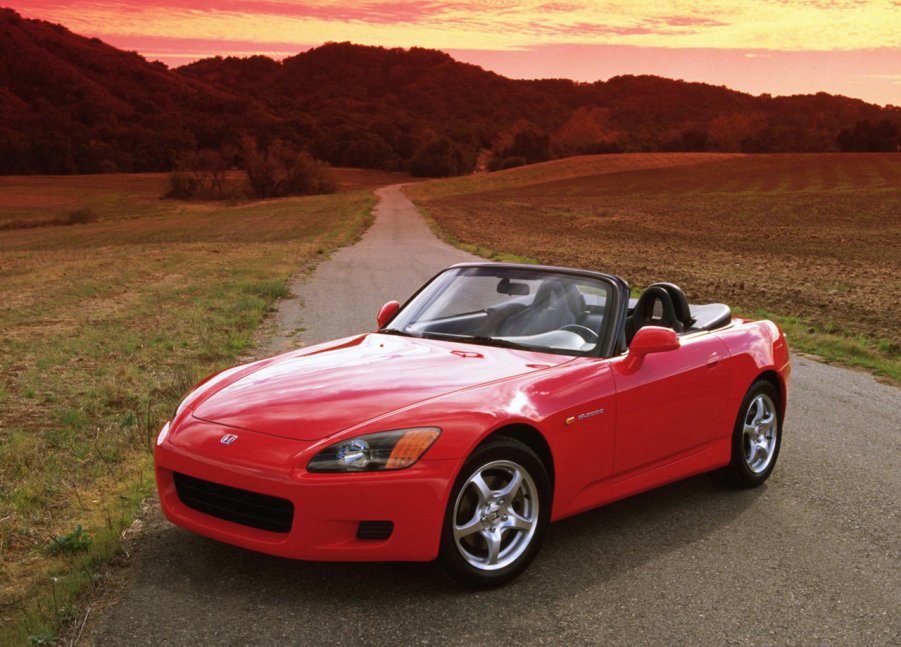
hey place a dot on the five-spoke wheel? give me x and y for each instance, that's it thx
(757, 436)
(759, 433)
(497, 513)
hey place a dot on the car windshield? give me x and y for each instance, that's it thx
(537, 309)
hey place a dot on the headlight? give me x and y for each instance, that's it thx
(386, 450)
(163, 433)
(179, 406)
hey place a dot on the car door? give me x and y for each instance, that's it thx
(671, 405)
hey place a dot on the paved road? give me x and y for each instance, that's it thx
(396, 255)
(809, 559)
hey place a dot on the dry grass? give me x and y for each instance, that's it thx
(105, 326)
(815, 238)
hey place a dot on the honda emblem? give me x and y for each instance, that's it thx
(228, 439)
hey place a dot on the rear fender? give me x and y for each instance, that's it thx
(758, 347)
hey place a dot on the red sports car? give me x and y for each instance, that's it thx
(499, 398)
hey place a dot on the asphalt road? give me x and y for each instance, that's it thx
(396, 255)
(811, 558)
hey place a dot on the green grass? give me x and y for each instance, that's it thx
(107, 324)
(54, 605)
(833, 344)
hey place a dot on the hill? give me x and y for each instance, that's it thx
(72, 104)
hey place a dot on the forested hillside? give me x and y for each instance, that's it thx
(70, 104)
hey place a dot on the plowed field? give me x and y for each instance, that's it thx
(813, 236)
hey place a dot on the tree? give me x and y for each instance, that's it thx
(531, 145)
(440, 157)
(587, 130)
(882, 137)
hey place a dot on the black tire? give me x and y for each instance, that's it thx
(748, 467)
(490, 521)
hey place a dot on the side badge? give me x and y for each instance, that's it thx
(584, 416)
(228, 439)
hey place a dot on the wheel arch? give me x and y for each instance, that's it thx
(773, 378)
(532, 438)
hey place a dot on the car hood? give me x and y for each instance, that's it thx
(312, 394)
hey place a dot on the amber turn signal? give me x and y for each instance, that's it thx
(410, 447)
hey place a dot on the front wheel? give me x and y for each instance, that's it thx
(497, 514)
(757, 436)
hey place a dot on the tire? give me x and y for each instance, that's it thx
(756, 438)
(488, 537)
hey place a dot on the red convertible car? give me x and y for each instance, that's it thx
(499, 398)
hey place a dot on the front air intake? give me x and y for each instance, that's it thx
(374, 530)
(247, 508)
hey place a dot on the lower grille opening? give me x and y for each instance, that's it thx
(232, 504)
(375, 529)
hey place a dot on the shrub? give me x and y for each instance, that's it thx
(499, 164)
(281, 170)
(199, 176)
(74, 542)
(80, 217)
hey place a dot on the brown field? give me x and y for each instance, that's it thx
(105, 326)
(816, 237)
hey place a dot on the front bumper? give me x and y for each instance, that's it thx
(328, 508)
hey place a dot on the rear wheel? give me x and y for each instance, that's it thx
(497, 514)
(757, 436)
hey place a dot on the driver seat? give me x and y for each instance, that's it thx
(556, 304)
(648, 313)
(680, 303)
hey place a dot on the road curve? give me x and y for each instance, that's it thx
(811, 558)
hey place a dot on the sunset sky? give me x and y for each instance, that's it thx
(850, 47)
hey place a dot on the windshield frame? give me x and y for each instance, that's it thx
(612, 324)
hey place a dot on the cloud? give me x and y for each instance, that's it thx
(497, 24)
(689, 21)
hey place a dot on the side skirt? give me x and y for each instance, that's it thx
(702, 459)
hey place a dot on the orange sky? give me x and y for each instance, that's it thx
(850, 47)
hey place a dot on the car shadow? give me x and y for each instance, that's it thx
(252, 594)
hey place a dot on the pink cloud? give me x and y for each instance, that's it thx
(871, 75)
(385, 12)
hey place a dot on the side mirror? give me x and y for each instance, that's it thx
(650, 339)
(387, 313)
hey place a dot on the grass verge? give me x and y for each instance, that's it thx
(835, 345)
(106, 325)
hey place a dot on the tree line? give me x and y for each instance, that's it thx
(70, 104)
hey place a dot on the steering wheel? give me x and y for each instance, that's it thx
(585, 333)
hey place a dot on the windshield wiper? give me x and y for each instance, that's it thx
(479, 339)
(401, 333)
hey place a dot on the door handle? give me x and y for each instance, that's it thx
(713, 361)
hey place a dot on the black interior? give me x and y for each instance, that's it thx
(556, 304)
(560, 305)
(664, 304)
(654, 308)
(680, 303)
(710, 316)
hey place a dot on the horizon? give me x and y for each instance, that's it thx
(721, 43)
